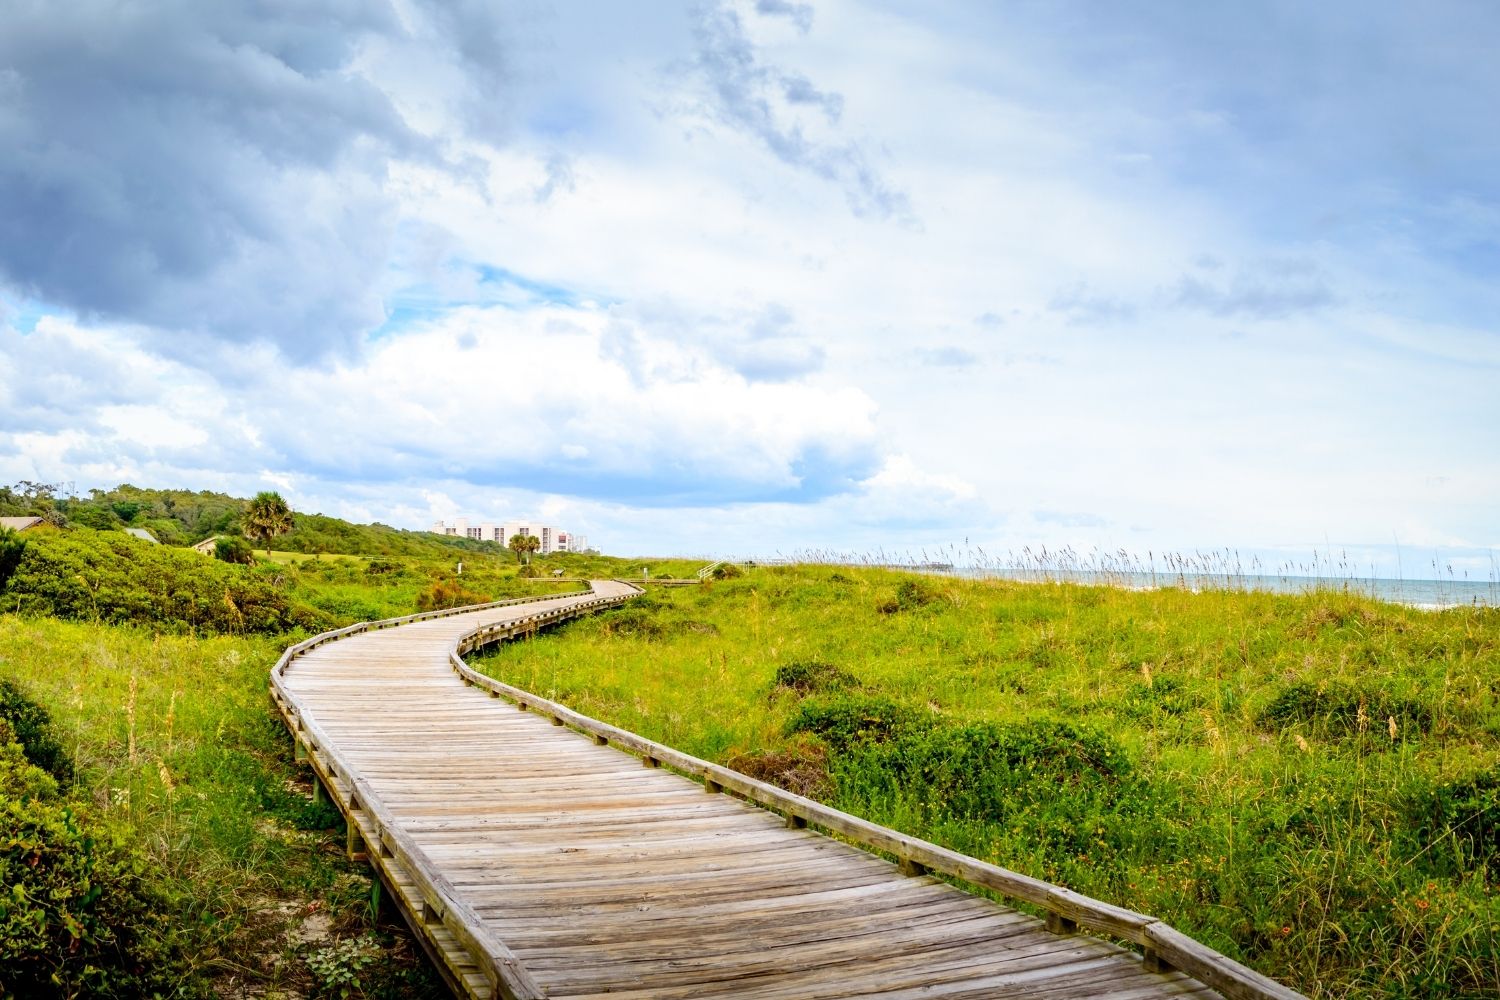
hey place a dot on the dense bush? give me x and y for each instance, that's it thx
(234, 549)
(111, 577)
(854, 719)
(808, 676)
(1339, 710)
(31, 727)
(12, 548)
(78, 916)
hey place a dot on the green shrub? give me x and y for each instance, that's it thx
(447, 594)
(1338, 711)
(234, 549)
(1460, 820)
(1072, 790)
(78, 916)
(12, 548)
(727, 571)
(31, 727)
(808, 676)
(110, 577)
(853, 719)
(634, 620)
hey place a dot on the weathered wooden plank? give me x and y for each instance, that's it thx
(550, 864)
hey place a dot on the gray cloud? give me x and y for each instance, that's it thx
(947, 357)
(1082, 305)
(206, 168)
(1271, 289)
(761, 100)
(800, 14)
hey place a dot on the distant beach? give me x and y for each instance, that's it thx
(1431, 595)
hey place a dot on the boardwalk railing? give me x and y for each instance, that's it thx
(1162, 946)
(395, 854)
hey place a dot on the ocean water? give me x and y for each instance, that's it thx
(1432, 594)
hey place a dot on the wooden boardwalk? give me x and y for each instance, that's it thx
(535, 856)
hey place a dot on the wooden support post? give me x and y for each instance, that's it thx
(1059, 924)
(354, 841)
(430, 916)
(712, 787)
(912, 869)
(556, 721)
(299, 749)
(601, 741)
(649, 761)
(795, 822)
(319, 794)
(1152, 961)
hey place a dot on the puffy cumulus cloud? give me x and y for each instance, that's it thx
(490, 396)
(219, 169)
(575, 402)
(760, 345)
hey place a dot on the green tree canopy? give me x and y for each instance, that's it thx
(523, 546)
(267, 516)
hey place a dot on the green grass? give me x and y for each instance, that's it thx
(176, 751)
(1308, 783)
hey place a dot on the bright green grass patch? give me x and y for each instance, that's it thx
(1309, 783)
(174, 750)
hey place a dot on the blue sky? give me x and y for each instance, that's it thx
(765, 276)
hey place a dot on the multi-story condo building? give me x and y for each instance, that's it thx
(551, 537)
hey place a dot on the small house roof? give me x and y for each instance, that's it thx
(20, 523)
(142, 534)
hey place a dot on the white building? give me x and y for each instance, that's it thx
(552, 538)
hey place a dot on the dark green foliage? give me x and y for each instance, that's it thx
(12, 548)
(266, 516)
(31, 726)
(910, 595)
(1458, 821)
(632, 620)
(809, 676)
(1339, 711)
(234, 549)
(727, 571)
(94, 516)
(79, 915)
(853, 719)
(1066, 786)
(108, 576)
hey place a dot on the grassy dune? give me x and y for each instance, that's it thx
(1310, 784)
(176, 757)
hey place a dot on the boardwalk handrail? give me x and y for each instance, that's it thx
(441, 900)
(1162, 945)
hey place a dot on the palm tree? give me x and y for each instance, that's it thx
(266, 517)
(524, 544)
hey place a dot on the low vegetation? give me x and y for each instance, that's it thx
(1308, 783)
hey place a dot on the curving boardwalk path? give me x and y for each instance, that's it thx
(535, 859)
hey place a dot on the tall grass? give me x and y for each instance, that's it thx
(175, 750)
(1307, 782)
